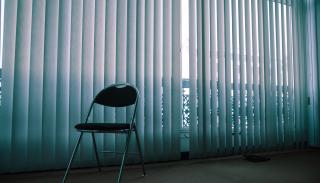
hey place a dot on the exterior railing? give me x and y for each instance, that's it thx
(185, 104)
(186, 101)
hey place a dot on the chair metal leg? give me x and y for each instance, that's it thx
(72, 157)
(140, 153)
(124, 157)
(96, 151)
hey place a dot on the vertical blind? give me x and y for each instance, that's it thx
(317, 10)
(248, 89)
(247, 76)
(312, 40)
(59, 54)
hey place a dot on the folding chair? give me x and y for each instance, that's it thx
(117, 95)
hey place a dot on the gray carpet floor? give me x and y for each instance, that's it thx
(292, 167)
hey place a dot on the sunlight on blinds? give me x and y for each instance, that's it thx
(245, 76)
(59, 54)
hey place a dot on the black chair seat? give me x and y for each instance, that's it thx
(102, 126)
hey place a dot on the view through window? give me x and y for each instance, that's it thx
(185, 61)
(185, 143)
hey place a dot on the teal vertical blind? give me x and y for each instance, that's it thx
(317, 20)
(247, 76)
(312, 40)
(59, 54)
(318, 58)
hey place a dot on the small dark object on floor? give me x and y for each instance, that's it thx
(184, 155)
(255, 158)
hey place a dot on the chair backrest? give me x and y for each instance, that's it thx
(117, 95)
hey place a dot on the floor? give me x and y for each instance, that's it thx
(294, 167)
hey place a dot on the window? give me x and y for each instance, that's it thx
(185, 62)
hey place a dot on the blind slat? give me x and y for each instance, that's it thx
(177, 82)
(228, 76)
(296, 78)
(121, 65)
(206, 60)
(149, 138)
(110, 70)
(75, 72)
(36, 80)
(193, 78)
(221, 76)
(248, 40)
(262, 73)
(8, 88)
(63, 82)
(273, 127)
(99, 55)
(49, 85)
(236, 71)
(279, 82)
(256, 78)
(214, 76)
(290, 127)
(284, 73)
(167, 74)
(158, 52)
(140, 70)
(200, 77)
(243, 129)
(21, 84)
(131, 63)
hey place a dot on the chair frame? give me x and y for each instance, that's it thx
(128, 132)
